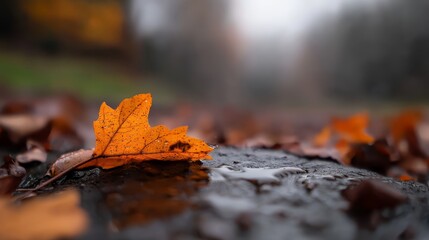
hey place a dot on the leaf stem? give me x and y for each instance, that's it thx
(49, 181)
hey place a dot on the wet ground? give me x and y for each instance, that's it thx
(240, 194)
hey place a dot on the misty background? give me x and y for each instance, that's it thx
(237, 52)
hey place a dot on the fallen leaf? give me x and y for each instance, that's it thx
(62, 114)
(403, 123)
(17, 129)
(123, 135)
(371, 195)
(11, 175)
(69, 160)
(51, 217)
(414, 165)
(353, 129)
(344, 133)
(413, 144)
(406, 142)
(369, 198)
(260, 141)
(375, 157)
(311, 152)
(35, 152)
(403, 131)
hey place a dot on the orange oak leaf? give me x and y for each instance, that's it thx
(343, 133)
(123, 135)
(353, 129)
(403, 124)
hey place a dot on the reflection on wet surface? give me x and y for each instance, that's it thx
(258, 175)
(156, 190)
(240, 194)
(150, 191)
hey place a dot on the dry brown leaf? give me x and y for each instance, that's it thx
(375, 157)
(17, 129)
(70, 160)
(21, 126)
(309, 151)
(35, 152)
(50, 217)
(11, 175)
(371, 195)
(414, 165)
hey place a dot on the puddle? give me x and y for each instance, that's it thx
(258, 175)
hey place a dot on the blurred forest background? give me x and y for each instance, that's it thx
(221, 52)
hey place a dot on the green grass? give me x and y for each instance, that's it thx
(87, 79)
